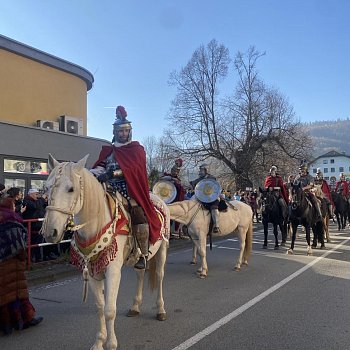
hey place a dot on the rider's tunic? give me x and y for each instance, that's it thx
(304, 180)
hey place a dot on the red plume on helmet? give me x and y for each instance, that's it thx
(120, 116)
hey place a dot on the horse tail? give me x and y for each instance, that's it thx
(152, 275)
(249, 240)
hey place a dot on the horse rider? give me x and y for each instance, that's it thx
(319, 180)
(173, 176)
(274, 182)
(343, 187)
(213, 207)
(122, 166)
(307, 182)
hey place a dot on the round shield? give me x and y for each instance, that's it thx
(165, 190)
(207, 190)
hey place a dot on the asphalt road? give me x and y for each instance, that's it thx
(277, 302)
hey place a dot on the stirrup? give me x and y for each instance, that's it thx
(141, 264)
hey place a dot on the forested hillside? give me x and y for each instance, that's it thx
(330, 135)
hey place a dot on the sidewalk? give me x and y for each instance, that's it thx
(50, 271)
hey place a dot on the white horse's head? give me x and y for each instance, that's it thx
(65, 196)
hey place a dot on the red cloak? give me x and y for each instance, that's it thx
(277, 181)
(132, 160)
(345, 187)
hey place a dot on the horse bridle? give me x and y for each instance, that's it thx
(194, 215)
(70, 226)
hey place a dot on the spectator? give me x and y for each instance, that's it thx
(16, 311)
(2, 190)
(17, 195)
(35, 209)
(237, 196)
(254, 204)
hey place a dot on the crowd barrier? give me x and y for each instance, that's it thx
(29, 238)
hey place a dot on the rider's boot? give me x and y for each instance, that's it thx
(142, 237)
(215, 217)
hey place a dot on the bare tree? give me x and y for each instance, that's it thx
(246, 131)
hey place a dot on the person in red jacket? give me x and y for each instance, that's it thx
(342, 186)
(122, 166)
(274, 182)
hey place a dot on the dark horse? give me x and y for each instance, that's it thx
(271, 213)
(303, 213)
(341, 209)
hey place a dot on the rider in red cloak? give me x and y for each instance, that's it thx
(123, 167)
(342, 184)
(274, 182)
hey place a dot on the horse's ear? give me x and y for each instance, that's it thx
(81, 163)
(52, 162)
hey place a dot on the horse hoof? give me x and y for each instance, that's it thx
(309, 251)
(290, 251)
(277, 247)
(202, 275)
(132, 313)
(161, 317)
(192, 263)
(245, 263)
(323, 247)
(237, 268)
(265, 246)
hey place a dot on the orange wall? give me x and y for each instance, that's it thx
(30, 91)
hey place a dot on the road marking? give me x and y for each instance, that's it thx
(212, 328)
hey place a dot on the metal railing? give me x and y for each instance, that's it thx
(30, 246)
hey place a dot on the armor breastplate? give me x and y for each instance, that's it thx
(318, 181)
(117, 182)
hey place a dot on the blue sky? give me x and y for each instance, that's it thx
(132, 46)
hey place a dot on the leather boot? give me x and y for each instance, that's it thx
(215, 217)
(142, 237)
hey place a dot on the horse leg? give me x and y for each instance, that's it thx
(160, 260)
(294, 226)
(275, 232)
(112, 282)
(326, 229)
(266, 229)
(283, 228)
(97, 290)
(241, 237)
(135, 309)
(194, 255)
(308, 239)
(202, 251)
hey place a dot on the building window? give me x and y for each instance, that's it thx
(332, 170)
(25, 166)
(325, 161)
(325, 170)
(332, 161)
(314, 171)
(341, 169)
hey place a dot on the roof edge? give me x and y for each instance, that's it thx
(32, 53)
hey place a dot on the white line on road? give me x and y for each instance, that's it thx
(212, 328)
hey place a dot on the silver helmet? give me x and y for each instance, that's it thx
(122, 129)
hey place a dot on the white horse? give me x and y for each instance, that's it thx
(237, 218)
(75, 193)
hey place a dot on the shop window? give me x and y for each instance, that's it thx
(25, 166)
(20, 183)
(38, 184)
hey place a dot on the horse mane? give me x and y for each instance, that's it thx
(94, 199)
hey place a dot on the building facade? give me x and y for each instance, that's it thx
(43, 102)
(331, 164)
